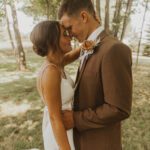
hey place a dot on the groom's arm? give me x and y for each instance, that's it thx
(117, 86)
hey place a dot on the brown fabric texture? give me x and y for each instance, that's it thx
(103, 96)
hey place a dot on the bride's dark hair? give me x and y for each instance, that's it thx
(45, 36)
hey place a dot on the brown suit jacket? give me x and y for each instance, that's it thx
(103, 96)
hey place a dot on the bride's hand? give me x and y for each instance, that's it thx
(65, 149)
(67, 117)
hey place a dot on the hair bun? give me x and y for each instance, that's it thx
(45, 37)
(40, 51)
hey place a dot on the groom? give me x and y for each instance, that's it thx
(103, 92)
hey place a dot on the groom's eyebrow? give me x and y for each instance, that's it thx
(69, 27)
(63, 25)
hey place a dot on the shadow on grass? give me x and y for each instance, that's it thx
(19, 90)
(136, 129)
(22, 132)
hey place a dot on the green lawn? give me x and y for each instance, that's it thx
(21, 107)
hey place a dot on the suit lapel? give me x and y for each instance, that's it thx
(80, 72)
(77, 75)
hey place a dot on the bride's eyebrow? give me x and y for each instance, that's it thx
(64, 27)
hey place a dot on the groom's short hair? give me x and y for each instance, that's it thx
(72, 7)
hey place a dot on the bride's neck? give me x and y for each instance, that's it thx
(55, 58)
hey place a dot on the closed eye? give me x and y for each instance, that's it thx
(66, 33)
(69, 28)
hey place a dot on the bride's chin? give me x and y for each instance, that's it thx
(67, 51)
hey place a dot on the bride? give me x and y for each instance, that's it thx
(56, 88)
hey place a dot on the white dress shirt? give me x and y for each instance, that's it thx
(93, 37)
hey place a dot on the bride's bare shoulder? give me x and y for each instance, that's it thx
(51, 74)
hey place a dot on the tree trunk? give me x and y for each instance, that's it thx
(8, 27)
(21, 53)
(139, 44)
(47, 9)
(107, 16)
(93, 1)
(98, 9)
(117, 18)
(127, 14)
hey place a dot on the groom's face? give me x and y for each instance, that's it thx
(76, 25)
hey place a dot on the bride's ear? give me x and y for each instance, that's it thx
(84, 16)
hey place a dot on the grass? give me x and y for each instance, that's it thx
(136, 129)
(21, 107)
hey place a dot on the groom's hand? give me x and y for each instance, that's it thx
(67, 117)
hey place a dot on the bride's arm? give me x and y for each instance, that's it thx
(71, 56)
(51, 91)
(74, 54)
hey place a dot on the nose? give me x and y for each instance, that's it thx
(69, 38)
(70, 34)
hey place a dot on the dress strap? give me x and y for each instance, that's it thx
(40, 80)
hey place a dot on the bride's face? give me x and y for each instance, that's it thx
(65, 41)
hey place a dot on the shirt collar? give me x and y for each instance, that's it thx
(95, 33)
(93, 37)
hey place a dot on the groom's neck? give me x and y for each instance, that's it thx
(93, 25)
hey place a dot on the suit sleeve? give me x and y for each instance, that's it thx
(117, 86)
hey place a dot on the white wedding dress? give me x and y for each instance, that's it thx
(67, 93)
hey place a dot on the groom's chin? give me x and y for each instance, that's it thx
(80, 40)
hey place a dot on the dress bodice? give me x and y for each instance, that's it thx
(67, 93)
(67, 88)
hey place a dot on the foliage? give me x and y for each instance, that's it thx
(38, 8)
(2, 13)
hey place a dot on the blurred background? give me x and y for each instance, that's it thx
(20, 105)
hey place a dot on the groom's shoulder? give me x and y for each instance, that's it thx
(112, 44)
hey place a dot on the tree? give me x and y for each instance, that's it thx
(41, 8)
(20, 51)
(93, 1)
(8, 26)
(117, 18)
(126, 17)
(98, 9)
(2, 12)
(147, 38)
(47, 9)
(107, 16)
(139, 43)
